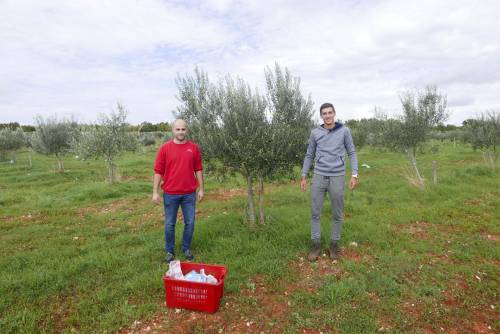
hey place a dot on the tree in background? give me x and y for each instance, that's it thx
(240, 130)
(241, 136)
(107, 139)
(287, 127)
(54, 136)
(369, 131)
(359, 132)
(421, 112)
(10, 142)
(484, 133)
(10, 126)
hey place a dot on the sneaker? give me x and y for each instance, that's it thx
(169, 257)
(334, 250)
(314, 252)
(189, 256)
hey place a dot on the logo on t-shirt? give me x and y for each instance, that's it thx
(189, 150)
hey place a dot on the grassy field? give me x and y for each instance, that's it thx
(80, 255)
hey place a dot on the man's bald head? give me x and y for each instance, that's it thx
(179, 122)
(179, 130)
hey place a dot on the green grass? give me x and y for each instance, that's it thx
(79, 254)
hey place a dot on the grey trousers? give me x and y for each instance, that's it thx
(335, 187)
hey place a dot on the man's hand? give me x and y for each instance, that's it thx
(200, 194)
(353, 183)
(303, 184)
(156, 198)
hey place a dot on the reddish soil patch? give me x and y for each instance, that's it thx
(128, 205)
(124, 205)
(450, 300)
(312, 275)
(225, 194)
(255, 310)
(29, 217)
(260, 306)
(129, 178)
(492, 237)
(433, 258)
(478, 320)
(352, 254)
(472, 202)
(418, 228)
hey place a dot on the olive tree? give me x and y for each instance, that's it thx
(227, 121)
(422, 111)
(241, 130)
(359, 132)
(53, 137)
(287, 127)
(107, 139)
(484, 133)
(11, 141)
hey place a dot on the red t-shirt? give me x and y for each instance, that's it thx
(176, 163)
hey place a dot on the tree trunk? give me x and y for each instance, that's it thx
(491, 159)
(251, 207)
(413, 160)
(60, 164)
(261, 200)
(29, 160)
(434, 172)
(111, 171)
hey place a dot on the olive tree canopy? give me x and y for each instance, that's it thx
(107, 139)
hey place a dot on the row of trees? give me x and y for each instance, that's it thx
(423, 115)
(422, 111)
(143, 127)
(16, 125)
(261, 136)
(106, 139)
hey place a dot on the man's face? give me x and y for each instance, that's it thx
(328, 115)
(179, 130)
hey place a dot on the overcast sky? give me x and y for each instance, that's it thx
(80, 57)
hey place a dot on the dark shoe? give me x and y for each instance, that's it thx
(189, 256)
(315, 250)
(169, 257)
(334, 250)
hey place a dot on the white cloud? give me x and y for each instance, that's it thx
(81, 57)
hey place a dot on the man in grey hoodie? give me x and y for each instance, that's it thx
(327, 147)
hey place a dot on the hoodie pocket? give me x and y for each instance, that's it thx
(332, 163)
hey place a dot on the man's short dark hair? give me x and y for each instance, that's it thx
(326, 105)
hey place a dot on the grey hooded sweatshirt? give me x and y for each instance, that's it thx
(327, 148)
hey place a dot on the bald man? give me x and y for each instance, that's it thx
(178, 164)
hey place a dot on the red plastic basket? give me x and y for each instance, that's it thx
(194, 295)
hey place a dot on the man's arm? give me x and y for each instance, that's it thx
(156, 188)
(199, 177)
(308, 159)
(159, 171)
(351, 152)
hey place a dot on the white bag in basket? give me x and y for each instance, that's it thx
(174, 270)
(208, 278)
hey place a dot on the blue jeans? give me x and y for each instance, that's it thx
(171, 204)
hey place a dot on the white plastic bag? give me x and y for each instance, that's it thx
(174, 270)
(208, 278)
(194, 276)
(200, 277)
